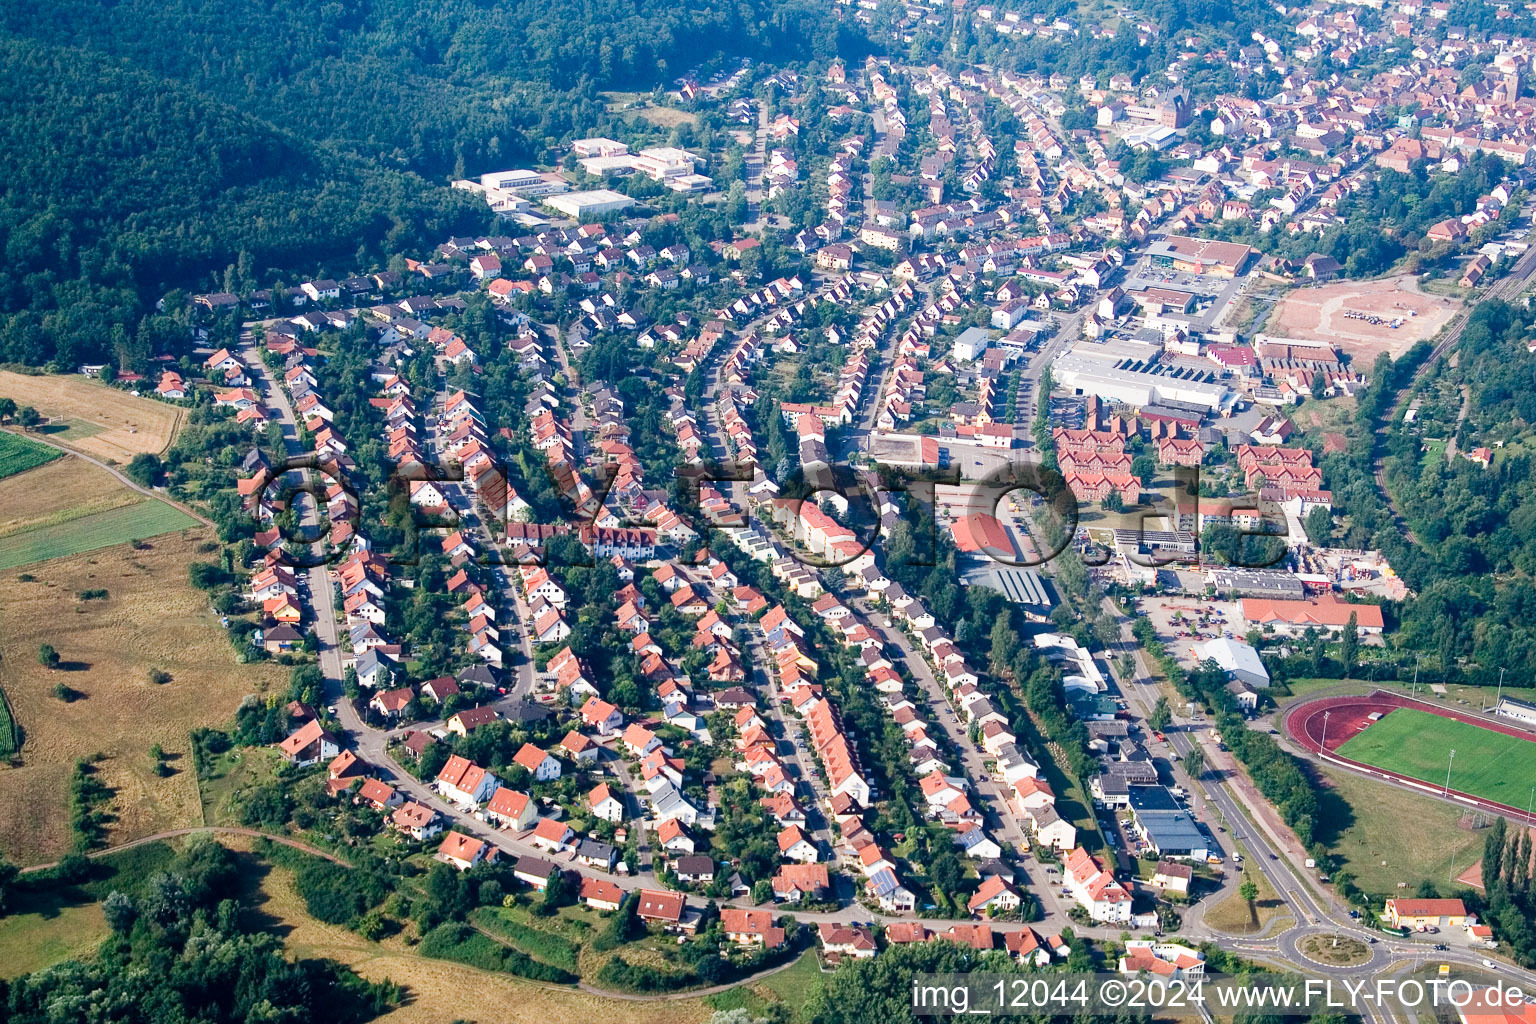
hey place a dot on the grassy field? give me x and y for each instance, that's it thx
(100, 420)
(235, 773)
(1419, 744)
(1232, 914)
(17, 454)
(138, 521)
(71, 430)
(32, 938)
(665, 117)
(1363, 823)
(152, 619)
(790, 987)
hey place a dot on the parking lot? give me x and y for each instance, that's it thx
(1183, 622)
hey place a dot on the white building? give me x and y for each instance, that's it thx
(524, 182)
(1088, 375)
(1239, 660)
(589, 204)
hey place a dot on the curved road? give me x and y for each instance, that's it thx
(174, 833)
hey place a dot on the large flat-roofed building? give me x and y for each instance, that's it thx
(589, 204)
(621, 164)
(598, 147)
(1286, 586)
(665, 162)
(525, 182)
(1087, 375)
(1201, 255)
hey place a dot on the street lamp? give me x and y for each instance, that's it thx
(1500, 697)
(1448, 772)
(1528, 803)
(1324, 748)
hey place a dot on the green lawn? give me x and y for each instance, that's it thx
(46, 924)
(794, 985)
(1419, 744)
(1361, 820)
(71, 430)
(8, 745)
(31, 939)
(105, 529)
(17, 454)
(790, 987)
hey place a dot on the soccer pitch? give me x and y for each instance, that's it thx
(1418, 744)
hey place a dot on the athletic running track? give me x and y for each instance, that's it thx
(1348, 715)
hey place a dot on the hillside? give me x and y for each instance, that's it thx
(169, 143)
(425, 86)
(120, 185)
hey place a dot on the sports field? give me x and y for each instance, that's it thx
(1491, 765)
(139, 521)
(17, 454)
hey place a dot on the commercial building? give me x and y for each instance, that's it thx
(1271, 583)
(1326, 612)
(1166, 826)
(981, 534)
(524, 183)
(598, 147)
(1201, 255)
(1119, 381)
(665, 162)
(1434, 913)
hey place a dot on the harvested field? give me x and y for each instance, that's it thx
(1339, 314)
(32, 500)
(152, 619)
(127, 425)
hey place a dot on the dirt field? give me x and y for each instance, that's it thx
(31, 499)
(441, 992)
(1327, 313)
(127, 425)
(151, 619)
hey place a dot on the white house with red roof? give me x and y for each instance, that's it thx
(464, 852)
(540, 765)
(1095, 888)
(464, 782)
(511, 808)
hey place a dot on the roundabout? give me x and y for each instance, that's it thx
(1335, 951)
(1330, 952)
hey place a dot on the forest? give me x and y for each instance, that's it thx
(1471, 547)
(121, 186)
(182, 948)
